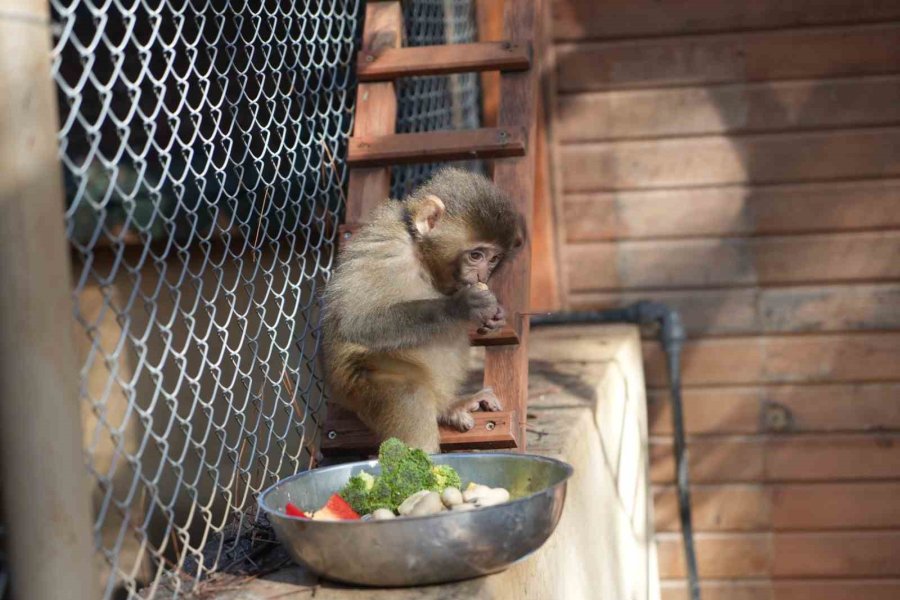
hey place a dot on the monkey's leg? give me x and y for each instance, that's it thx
(409, 417)
(458, 417)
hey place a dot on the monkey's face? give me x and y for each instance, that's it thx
(464, 228)
(477, 263)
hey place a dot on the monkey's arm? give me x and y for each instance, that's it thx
(404, 324)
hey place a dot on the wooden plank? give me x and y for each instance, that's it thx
(801, 589)
(47, 518)
(435, 146)
(783, 507)
(588, 19)
(722, 160)
(863, 554)
(376, 110)
(827, 358)
(758, 589)
(830, 457)
(544, 260)
(836, 506)
(725, 555)
(733, 507)
(669, 264)
(735, 210)
(345, 434)
(489, 14)
(726, 460)
(820, 308)
(781, 408)
(731, 109)
(506, 368)
(733, 57)
(507, 336)
(785, 555)
(849, 589)
(389, 64)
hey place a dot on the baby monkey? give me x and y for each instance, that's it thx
(398, 306)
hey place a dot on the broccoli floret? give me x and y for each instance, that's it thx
(390, 453)
(356, 492)
(445, 476)
(404, 471)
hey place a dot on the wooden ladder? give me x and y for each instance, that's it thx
(375, 146)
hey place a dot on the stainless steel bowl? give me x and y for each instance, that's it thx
(408, 551)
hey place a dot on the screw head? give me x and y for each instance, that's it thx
(370, 58)
(490, 425)
(347, 235)
(332, 435)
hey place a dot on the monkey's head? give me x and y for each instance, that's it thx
(464, 226)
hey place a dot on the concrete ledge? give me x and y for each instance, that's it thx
(587, 407)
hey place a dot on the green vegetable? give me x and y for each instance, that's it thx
(404, 471)
(445, 476)
(356, 492)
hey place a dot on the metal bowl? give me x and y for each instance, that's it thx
(409, 551)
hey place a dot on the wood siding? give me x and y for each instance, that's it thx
(740, 161)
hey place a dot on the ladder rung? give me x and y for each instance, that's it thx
(346, 434)
(507, 336)
(391, 63)
(436, 146)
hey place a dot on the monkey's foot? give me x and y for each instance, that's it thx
(484, 400)
(459, 419)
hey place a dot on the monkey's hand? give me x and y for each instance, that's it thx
(476, 303)
(494, 323)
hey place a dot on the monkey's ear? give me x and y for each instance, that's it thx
(427, 213)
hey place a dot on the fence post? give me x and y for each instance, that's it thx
(46, 504)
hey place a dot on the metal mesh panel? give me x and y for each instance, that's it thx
(436, 102)
(199, 141)
(202, 144)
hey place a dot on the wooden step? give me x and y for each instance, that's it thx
(387, 64)
(344, 434)
(436, 146)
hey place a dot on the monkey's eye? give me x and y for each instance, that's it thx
(495, 259)
(476, 255)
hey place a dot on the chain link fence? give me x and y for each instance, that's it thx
(441, 102)
(202, 144)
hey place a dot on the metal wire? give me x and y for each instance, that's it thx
(199, 140)
(203, 146)
(436, 102)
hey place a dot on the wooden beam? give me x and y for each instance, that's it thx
(392, 63)
(376, 110)
(506, 367)
(507, 336)
(44, 488)
(346, 434)
(435, 146)
(544, 259)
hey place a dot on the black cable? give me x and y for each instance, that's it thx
(672, 337)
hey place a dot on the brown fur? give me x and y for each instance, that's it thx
(397, 308)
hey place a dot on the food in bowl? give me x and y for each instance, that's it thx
(409, 484)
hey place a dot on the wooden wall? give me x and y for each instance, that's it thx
(741, 162)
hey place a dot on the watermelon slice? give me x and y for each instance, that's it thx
(336, 509)
(293, 511)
